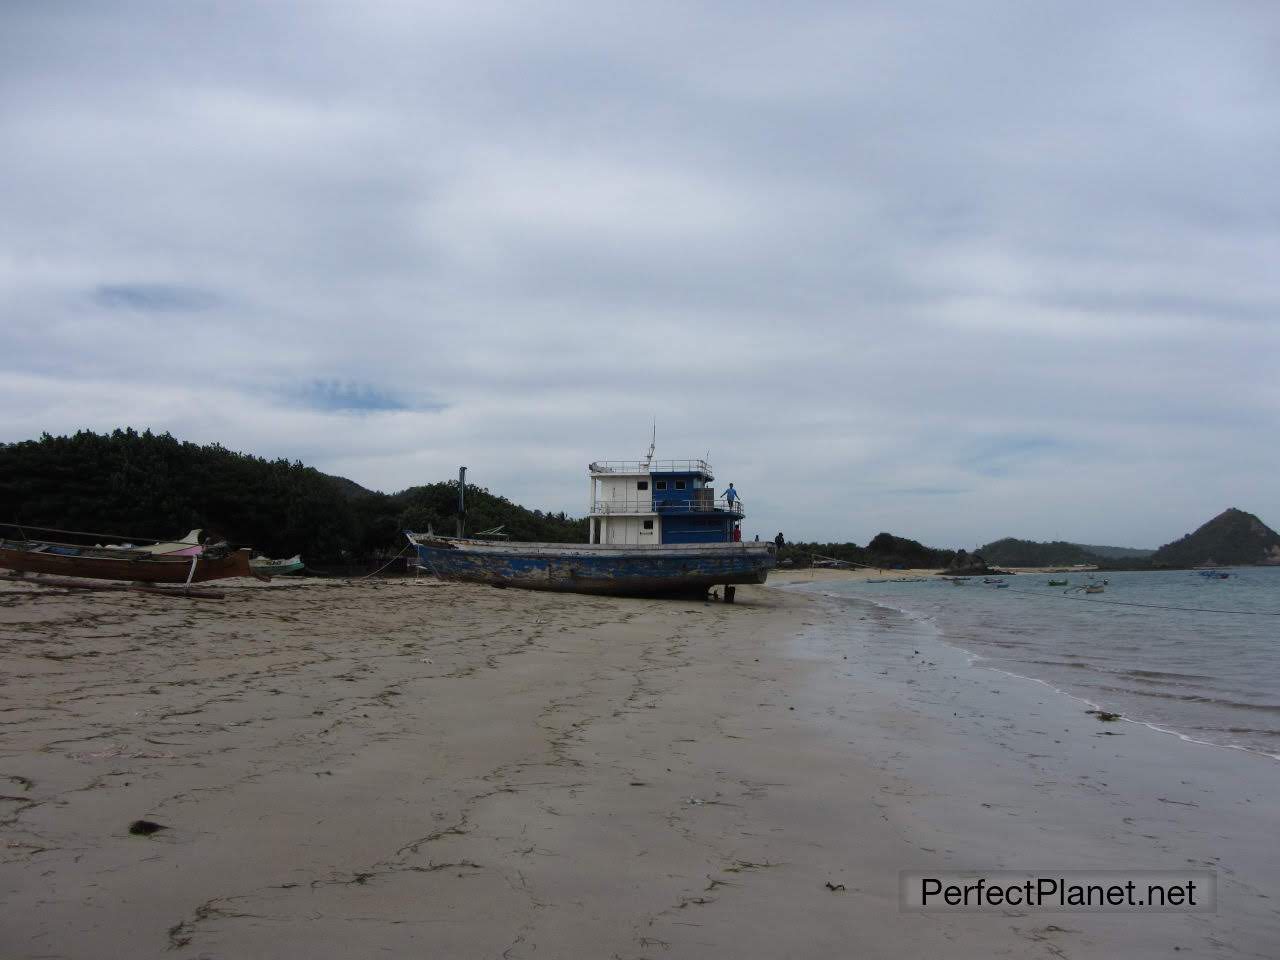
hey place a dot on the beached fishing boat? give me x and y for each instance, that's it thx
(276, 568)
(133, 564)
(655, 527)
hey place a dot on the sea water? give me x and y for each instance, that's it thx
(1192, 655)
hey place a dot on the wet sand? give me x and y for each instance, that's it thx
(411, 768)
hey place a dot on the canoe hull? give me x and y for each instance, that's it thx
(277, 568)
(596, 568)
(157, 569)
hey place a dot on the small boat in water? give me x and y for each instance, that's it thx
(1059, 583)
(655, 527)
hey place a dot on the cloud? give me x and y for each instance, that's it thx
(159, 298)
(333, 395)
(952, 273)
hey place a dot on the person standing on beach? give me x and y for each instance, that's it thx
(779, 540)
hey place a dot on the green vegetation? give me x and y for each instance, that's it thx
(152, 485)
(1232, 537)
(885, 550)
(1117, 553)
(1011, 552)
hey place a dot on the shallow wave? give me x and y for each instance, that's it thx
(1163, 675)
(1196, 698)
(1254, 730)
(1082, 665)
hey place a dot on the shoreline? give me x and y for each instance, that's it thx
(978, 660)
(993, 663)
(1096, 797)
(422, 767)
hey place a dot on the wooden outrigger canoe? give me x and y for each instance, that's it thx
(141, 566)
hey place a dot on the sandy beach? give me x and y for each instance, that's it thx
(415, 768)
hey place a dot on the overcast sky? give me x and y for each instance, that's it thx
(952, 270)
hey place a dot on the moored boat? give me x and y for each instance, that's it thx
(276, 568)
(655, 527)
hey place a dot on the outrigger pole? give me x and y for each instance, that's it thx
(68, 583)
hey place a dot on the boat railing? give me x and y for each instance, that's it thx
(650, 466)
(700, 505)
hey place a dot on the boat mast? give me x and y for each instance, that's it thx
(462, 499)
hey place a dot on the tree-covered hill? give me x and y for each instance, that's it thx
(155, 486)
(885, 550)
(1011, 552)
(1231, 537)
(1117, 553)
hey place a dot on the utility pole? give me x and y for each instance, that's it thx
(462, 499)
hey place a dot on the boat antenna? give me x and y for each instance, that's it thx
(653, 443)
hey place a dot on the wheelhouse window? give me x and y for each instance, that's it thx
(648, 524)
(659, 484)
(642, 484)
(679, 484)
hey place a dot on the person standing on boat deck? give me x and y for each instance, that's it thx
(731, 496)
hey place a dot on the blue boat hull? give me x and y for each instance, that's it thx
(583, 568)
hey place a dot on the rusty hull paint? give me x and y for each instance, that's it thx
(598, 568)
